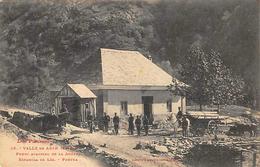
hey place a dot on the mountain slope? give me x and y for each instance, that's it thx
(48, 43)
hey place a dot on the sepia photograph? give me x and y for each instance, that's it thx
(129, 83)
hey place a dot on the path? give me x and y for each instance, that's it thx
(122, 145)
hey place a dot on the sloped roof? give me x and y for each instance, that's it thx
(82, 91)
(131, 68)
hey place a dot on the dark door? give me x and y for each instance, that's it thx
(73, 106)
(124, 108)
(148, 107)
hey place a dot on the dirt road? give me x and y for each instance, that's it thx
(122, 146)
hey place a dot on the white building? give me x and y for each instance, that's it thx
(131, 83)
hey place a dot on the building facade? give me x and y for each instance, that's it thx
(131, 83)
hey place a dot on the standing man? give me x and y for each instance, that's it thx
(131, 124)
(146, 125)
(184, 126)
(138, 125)
(106, 120)
(90, 122)
(179, 116)
(64, 115)
(116, 123)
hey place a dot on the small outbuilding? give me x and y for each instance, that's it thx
(79, 100)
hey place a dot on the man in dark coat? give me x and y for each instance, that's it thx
(64, 115)
(90, 122)
(179, 116)
(116, 123)
(138, 125)
(146, 125)
(184, 126)
(106, 120)
(131, 124)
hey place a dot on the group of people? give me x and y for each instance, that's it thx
(132, 123)
(138, 123)
(106, 121)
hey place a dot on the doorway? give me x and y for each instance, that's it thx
(148, 108)
(124, 108)
(73, 106)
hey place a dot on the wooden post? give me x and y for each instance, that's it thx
(254, 159)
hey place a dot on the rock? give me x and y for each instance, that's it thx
(73, 142)
(146, 142)
(178, 157)
(152, 146)
(162, 149)
(169, 143)
(171, 154)
(110, 132)
(180, 145)
(172, 148)
(99, 151)
(138, 146)
(166, 139)
(80, 142)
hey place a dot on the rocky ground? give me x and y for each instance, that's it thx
(160, 148)
(122, 145)
(16, 144)
(206, 150)
(103, 149)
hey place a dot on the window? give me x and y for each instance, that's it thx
(87, 105)
(169, 105)
(124, 107)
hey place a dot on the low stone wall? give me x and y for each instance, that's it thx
(205, 155)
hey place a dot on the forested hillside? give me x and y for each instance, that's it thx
(48, 43)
